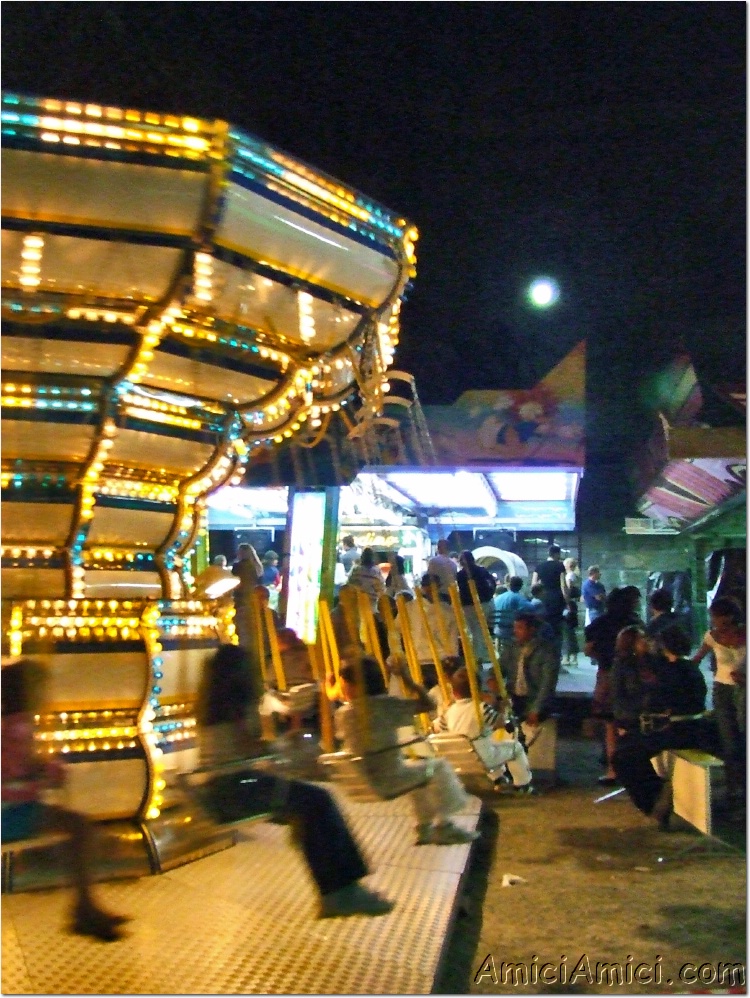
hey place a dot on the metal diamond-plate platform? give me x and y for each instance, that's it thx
(243, 922)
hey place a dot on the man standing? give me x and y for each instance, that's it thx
(532, 669)
(593, 595)
(443, 566)
(551, 574)
(350, 554)
(507, 605)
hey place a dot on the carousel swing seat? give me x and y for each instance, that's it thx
(461, 752)
(357, 776)
(214, 789)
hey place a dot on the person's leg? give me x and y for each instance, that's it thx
(443, 796)
(518, 766)
(333, 856)
(731, 739)
(88, 917)
(633, 767)
(324, 837)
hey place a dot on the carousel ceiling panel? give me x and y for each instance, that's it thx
(27, 353)
(140, 449)
(95, 267)
(270, 232)
(33, 583)
(36, 523)
(111, 584)
(103, 193)
(251, 300)
(192, 377)
(34, 440)
(119, 526)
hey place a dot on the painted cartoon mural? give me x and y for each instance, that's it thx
(543, 425)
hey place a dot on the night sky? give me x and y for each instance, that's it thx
(602, 144)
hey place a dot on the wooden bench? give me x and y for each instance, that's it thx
(10, 850)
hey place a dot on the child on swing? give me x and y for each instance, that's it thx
(460, 718)
(434, 789)
(25, 775)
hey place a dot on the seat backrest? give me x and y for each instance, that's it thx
(460, 752)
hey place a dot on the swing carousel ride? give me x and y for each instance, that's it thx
(178, 296)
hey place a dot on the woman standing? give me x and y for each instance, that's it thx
(726, 639)
(601, 637)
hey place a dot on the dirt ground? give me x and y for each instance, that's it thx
(594, 892)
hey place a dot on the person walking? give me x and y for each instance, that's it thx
(551, 574)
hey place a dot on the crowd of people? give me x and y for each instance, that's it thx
(650, 695)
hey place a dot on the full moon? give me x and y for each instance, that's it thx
(543, 292)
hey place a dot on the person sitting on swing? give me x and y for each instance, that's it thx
(460, 718)
(224, 736)
(434, 789)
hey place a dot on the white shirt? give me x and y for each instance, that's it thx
(446, 570)
(419, 634)
(727, 659)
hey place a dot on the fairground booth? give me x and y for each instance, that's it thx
(180, 299)
(497, 472)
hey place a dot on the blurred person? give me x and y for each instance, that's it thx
(349, 555)
(726, 639)
(671, 717)
(601, 637)
(506, 605)
(551, 573)
(634, 668)
(248, 568)
(270, 576)
(661, 614)
(367, 577)
(443, 567)
(536, 606)
(460, 718)
(25, 776)
(332, 855)
(441, 624)
(593, 595)
(395, 582)
(388, 770)
(485, 585)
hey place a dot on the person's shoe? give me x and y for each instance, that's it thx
(527, 788)
(98, 924)
(448, 834)
(608, 781)
(354, 899)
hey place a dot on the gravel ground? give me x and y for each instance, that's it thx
(595, 892)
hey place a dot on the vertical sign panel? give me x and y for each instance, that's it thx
(305, 562)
